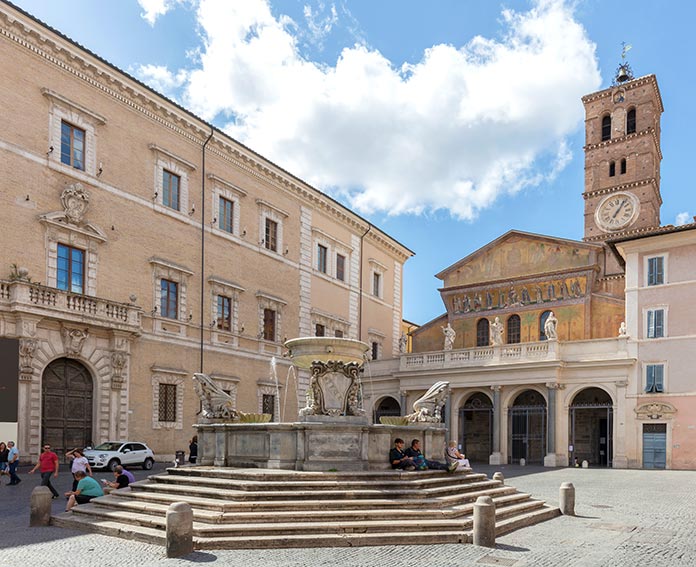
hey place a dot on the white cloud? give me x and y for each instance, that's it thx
(452, 131)
(319, 23)
(154, 9)
(683, 218)
(161, 79)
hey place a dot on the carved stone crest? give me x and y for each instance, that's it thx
(27, 347)
(655, 410)
(334, 389)
(75, 201)
(118, 362)
(73, 340)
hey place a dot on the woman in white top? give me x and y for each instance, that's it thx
(79, 463)
(452, 455)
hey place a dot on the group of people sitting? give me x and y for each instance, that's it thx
(86, 487)
(413, 459)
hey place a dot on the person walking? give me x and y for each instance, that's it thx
(4, 453)
(48, 465)
(193, 450)
(13, 463)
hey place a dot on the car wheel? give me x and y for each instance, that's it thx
(113, 463)
(147, 465)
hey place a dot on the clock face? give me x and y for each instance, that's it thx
(617, 211)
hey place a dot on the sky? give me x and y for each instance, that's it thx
(444, 123)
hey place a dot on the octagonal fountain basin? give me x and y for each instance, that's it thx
(305, 350)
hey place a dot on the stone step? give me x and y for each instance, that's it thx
(536, 516)
(502, 496)
(404, 523)
(406, 492)
(240, 482)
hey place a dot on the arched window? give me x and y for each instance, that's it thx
(631, 121)
(482, 332)
(542, 322)
(513, 329)
(623, 166)
(612, 168)
(606, 128)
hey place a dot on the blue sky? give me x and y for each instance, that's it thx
(444, 123)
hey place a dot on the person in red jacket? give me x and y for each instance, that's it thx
(47, 465)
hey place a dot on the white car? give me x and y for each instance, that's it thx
(113, 453)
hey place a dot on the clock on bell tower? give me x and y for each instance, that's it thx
(622, 157)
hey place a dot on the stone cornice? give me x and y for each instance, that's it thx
(620, 234)
(634, 84)
(623, 187)
(60, 51)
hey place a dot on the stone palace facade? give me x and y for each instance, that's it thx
(141, 245)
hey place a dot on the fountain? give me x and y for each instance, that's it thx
(332, 432)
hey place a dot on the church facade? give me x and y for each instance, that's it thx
(546, 341)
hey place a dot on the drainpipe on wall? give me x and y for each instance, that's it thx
(360, 299)
(202, 329)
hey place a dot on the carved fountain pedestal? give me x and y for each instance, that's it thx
(333, 432)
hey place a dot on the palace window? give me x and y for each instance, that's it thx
(167, 402)
(606, 128)
(340, 267)
(269, 324)
(70, 275)
(375, 350)
(656, 323)
(623, 166)
(271, 235)
(654, 378)
(656, 270)
(483, 333)
(338, 333)
(377, 284)
(322, 256)
(319, 330)
(226, 215)
(224, 313)
(72, 145)
(513, 329)
(170, 190)
(268, 405)
(169, 299)
(631, 121)
(612, 168)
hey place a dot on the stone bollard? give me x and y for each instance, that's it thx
(499, 477)
(179, 529)
(484, 522)
(40, 507)
(566, 495)
(523, 462)
(585, 465)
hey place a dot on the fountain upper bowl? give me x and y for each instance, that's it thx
(305, 350)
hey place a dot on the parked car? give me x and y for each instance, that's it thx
(113, 453)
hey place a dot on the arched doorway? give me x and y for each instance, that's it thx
(66, 413)
(591, 425)
(527, 419)
(387, 406)
(476, 427)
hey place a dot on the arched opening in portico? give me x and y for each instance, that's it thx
(387, 406)
(527, 423)
(66, 412)
(476, 427)
(591, 426)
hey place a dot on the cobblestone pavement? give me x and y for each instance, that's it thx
(624, 518)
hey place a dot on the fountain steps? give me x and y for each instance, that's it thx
(315, 514)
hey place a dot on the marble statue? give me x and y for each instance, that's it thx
(623, 332)
(550, 327)
(496, 332)
(403, 343)
(450, 335)
(215, 403)
(429, 406)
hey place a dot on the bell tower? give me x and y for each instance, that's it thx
(622, 157)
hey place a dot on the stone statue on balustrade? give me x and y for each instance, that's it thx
(428, 408)
(496, 332)
(450, 335)
(550, 327)
(403, 343)
(623, 332)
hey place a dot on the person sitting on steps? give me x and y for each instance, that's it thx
(452, 455)
(414, 451)
(398, 458)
